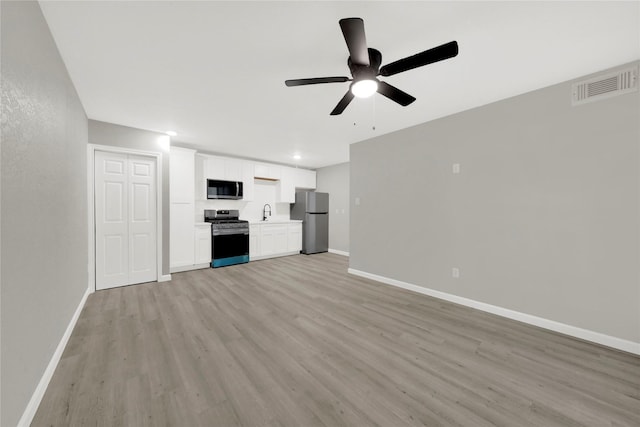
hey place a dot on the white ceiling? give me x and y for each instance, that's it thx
(214, 71)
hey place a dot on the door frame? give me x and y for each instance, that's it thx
(91, 220)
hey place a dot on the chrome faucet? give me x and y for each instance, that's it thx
(264, 211)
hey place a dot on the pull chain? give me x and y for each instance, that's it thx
(374, 113)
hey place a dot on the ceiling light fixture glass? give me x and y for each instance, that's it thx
(171, 133)
(364, 88)
(297, 156)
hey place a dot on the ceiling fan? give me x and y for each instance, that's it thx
(364, 64)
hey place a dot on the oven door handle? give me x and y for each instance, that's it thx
(230, 232)
(237, 189)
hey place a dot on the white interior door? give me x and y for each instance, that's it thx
(125, 210)
(142, 219)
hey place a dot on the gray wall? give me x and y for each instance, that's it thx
(335, 181)
(44, 203)
(102, 133)
(543, 218)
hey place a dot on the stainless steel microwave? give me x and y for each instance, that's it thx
(218, 189)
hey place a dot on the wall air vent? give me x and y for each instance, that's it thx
(605, 86)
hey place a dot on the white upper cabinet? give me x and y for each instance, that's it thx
(305, 179)
(222, 168)
(233, 170)
(267, 171)
(292, 178)
(214, 167)
(200, 178)
(247, 181)
(181, 183)
(286, 190)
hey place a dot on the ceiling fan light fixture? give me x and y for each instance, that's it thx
(364, 88)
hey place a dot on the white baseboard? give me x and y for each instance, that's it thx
(164, 278)
(189, 267)
(585, 334)
(36, 398)
(180, 269)
(335, 251)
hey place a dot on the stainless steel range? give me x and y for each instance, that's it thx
(229, 237)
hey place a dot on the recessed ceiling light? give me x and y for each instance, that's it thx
(297, 156)
(171, 133)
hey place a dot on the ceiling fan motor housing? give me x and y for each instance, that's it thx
(366, 72)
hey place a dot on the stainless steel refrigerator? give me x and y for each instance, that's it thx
(313, 209)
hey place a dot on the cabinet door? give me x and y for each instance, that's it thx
(254, 241)
(181, 182)
(286, 191)
(203, 244)
(294, 238)
(273, 239)
(215, 168)
(200, 181)
(182, 234)
(305, 179)
(265, 170)
(267, 240)
(280, 239)
(232, 170)
(248, 181)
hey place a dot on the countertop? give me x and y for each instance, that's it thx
(269, 221)
(276, 221)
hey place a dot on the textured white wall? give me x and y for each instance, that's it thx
(43, 201)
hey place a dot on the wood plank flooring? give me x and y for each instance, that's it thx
(296, 341)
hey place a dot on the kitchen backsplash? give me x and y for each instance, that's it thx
(264, 193)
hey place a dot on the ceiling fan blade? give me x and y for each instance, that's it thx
(346, 99)
(353, 31)
(316, 80)
(395, 94)
(445, 51)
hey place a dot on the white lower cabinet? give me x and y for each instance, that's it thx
(254, 241)
(203, 244)
(273, 240)
(190, 243)
(182, 250)
(294, 237)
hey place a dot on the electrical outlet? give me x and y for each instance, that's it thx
(456, 168)
(357, 201)
(455, 272)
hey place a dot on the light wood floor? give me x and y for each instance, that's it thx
(296, 341)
